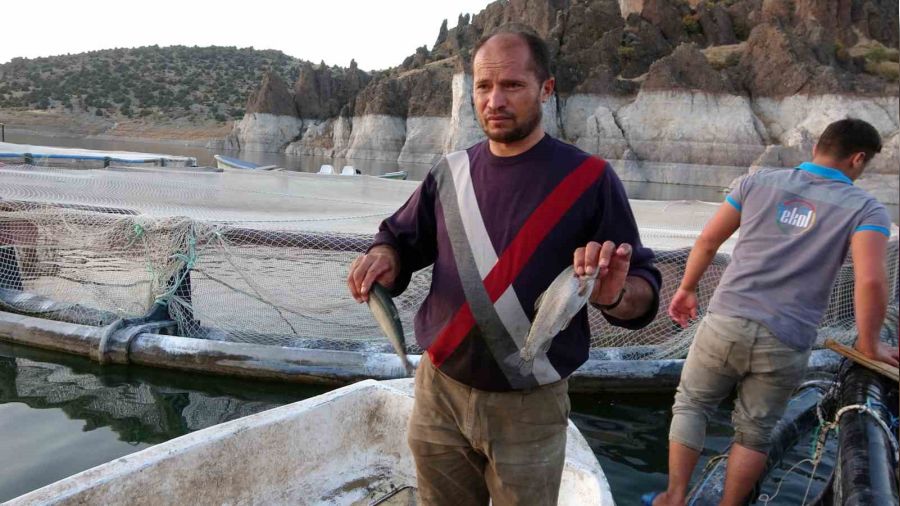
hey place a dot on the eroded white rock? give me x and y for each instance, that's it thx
(425, 139)
(377, 137)
(589, 123)
(264, 132)
(464, 129)
(693, 127)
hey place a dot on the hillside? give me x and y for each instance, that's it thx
(756, 48)
(673, 91)
(152, 83)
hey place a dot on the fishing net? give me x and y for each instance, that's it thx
(263, 257)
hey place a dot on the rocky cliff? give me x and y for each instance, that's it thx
(680, 91)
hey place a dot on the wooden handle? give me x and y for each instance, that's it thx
(879, 367)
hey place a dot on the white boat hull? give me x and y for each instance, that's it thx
(341, 448)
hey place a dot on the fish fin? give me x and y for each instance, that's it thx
(583, 286)
(526, 367)
(566, 325)
(559, 328)
(539, 301)
(545, 347)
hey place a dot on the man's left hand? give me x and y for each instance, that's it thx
(613, 264)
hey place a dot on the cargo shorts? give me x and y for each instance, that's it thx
(729, 352)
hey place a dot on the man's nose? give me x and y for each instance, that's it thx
(496, 98)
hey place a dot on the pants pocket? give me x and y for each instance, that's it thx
(778, 359)
(709, 349)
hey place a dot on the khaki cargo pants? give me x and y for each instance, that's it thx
(730, 352)
(472, 446)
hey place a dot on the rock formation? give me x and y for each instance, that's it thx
(692, 92)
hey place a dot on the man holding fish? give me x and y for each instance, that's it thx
(501, 222)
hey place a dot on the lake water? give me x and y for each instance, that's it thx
(62, 414)
(417, 171)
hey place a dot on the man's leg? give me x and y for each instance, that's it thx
(524, 438)
(707, 379)
(775, 372)
(682, 460)
(449, 474)
(448, 469)
(745, 466)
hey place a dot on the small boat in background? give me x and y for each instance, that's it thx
(227, 162)
(400, 174)
(349, 170)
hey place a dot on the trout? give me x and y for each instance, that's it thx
(385, 312)
(554, 309)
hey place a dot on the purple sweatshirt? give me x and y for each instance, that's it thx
(498, 230)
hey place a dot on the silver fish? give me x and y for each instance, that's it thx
(385, 312)
(555, 308)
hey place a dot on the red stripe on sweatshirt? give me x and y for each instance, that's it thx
(519, 251)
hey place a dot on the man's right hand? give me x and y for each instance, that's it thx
(880, 352)
(683, 307)
(381, 264)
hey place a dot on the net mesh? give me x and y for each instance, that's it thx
(263, 257)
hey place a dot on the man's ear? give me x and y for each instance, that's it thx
(858, 160)
(547, 89)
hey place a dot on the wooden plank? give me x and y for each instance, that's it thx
(879, 367)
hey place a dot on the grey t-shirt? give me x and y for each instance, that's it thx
(795, 232)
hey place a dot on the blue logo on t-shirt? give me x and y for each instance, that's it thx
(795, 216)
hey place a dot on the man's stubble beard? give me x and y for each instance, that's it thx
(519, 132)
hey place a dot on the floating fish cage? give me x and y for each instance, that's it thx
(244, 274)
(86, 158)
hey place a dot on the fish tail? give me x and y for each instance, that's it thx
(516, 362)
(410, 370)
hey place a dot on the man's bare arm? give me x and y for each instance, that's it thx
(870, 294)
(684, 306)
(720, 227)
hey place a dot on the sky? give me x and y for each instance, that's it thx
(377, 33)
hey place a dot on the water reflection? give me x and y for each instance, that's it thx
(629, 436)
(60, 415)
(140, 405)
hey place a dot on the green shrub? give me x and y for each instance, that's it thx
(877, 54)
(691, 24)
(886, 69)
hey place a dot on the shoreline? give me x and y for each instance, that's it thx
(194, 143)
(83, 126)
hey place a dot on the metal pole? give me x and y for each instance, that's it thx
(2, 132)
